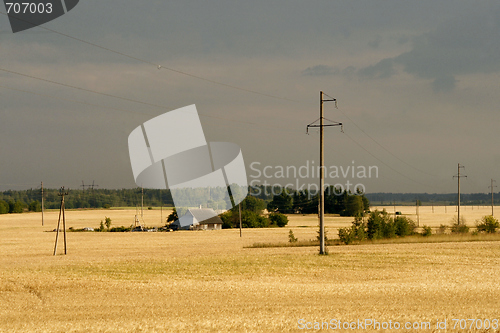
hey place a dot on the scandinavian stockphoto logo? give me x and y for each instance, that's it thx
(25, 15)
(170, 151)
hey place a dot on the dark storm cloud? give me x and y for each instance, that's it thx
(464, 45)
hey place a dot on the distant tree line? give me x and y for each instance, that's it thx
(30, 200)
(303, 202)
(432, 198)
(284, 201)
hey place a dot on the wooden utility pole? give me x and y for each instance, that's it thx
(492, 195)
(322, 168)
(142, 202)
(418, 215)
(239, 209)
(42, 204)
(62, 193)
(458, 204)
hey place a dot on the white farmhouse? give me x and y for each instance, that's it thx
(198, 219)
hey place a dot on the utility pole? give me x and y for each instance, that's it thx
(142, 202)
(417, 203)
(239, 210)
(322, 167)
(62, 193)
(458, 204)
(492, 195)
(42, 204)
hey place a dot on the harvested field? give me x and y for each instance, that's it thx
(206, 281)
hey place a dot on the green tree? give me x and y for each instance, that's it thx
(252, 204)
(281, 203)
(404, 226)
(107, 222)
(16, 207)
(366, 203)
(353, 206)
(35, 206)
(278, 219)
(380, 225)
(4, 207)
(172, 216)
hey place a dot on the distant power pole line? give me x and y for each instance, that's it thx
(322, 166)
(83, 186)
(458, 203)
(492, 194)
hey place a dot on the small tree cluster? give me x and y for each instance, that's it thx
(379, 225)
(11, 207)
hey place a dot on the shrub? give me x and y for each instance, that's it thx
(346, 235)
(426, 231)
(278, 219)
(291, 237)
(442, 228)
(487, 224)
(404, 226)
(119, 229)
(459, 228)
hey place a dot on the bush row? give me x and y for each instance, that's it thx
(381, 225)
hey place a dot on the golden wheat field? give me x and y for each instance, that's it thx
(209, 281)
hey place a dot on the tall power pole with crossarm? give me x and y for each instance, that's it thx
(458, 203)
(322, 166)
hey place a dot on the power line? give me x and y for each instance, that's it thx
(139, 112)
(103, 94)
(387, 150)
(82, 89)
(159, 66)
(381, 161)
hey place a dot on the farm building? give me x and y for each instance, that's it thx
(198, 219)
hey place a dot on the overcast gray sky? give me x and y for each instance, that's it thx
(416, 81)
